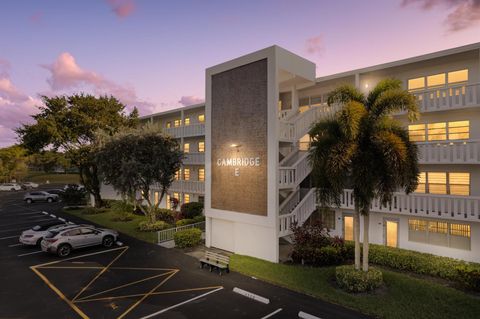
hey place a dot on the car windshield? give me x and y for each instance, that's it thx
(51, 234)
(36, 228)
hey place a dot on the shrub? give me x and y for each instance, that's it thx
(199, 219)
(183, 222)
(94, 211)
(147, 226)
(352, 280)
(190, 210)
(187, 238)
(469, 278)
(166, 215)
(120, 206)
(74, 195)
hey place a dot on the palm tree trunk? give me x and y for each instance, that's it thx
(356, 235)
(366, 224)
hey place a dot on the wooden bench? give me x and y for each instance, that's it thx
(215, 261)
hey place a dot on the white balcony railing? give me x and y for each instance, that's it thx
(454, 152)
(194, 158)
(424, 205)
(197, 129)
(299, 214)
(194, 187)
(292, 176)
(450, 97)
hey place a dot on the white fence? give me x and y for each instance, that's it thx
(167, 234)
(186, 130)
(455, 152)
(450, 97)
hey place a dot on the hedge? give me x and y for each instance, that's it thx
(352, 280)
(187, 238)
(183, 222)
(191, 210)
(147, 226)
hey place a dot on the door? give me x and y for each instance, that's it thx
(348, 227)
(391, 233)
(90, 237)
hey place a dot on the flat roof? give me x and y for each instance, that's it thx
(183, 108)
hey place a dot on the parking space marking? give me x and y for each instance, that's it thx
(251, 295)
(19, 214)
(272, 314)
(81, 256)
(53, 216)
(180, 304)
(28, 222)
(35, 252)
(305, 315)
(9, 237)
(15, 245)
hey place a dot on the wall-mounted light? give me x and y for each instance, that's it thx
(366, 85)
(236, 146)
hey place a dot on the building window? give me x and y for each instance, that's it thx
(328, 218)
(437, 131)
(186, 198)
(176, 196)
(201, 118)
(458, 130)
(422, 183)
(459, 183)
(436, 80)
(201, 147)
(458, 76)
(201, 199)
(416, 132)
(169, 202)
(201, 174)
(177, 123)
(443, 183)
(348, 227)
(186, 148)
(437, 183)
(186, 174)
(416, 84)
(169, 124)
(156, 197)
(440, 233)
(177, 174)
(187, 121)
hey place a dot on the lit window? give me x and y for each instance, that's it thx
(156, 197)
(186, 198)
(436, 80)
(187, 121)
(177, 174)
(186, 147)
(416, 132)
(458, 76)
(186, 174)
(437, 183)
(417, 225)
(201, 147)
(416, 84)
(458, 130)
(201, 174)
(348, 227)
(422, 181)
(328, 218)
(462, 230)
(201, 118)
(177, 123)
(169, 203)
(459, 183)
(440, 233)
(169, 124)
(437, 131)
(437, 227)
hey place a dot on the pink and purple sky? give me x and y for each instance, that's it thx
(153, 54)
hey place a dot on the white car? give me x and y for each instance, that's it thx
(34, 236)
(30, 185)
(10, 187)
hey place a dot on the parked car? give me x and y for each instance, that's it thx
(40, 196)
(63, 241)
(10, 187)
(34, 235)
(58, 192)
(29, 185)
(75, 186)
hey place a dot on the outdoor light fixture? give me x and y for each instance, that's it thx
(235, 145)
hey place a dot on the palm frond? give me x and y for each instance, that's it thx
(382, 86)
(350, 117)
(344, 94)
(395, 100)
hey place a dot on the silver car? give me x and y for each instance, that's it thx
(40, 196)
(34, 235)
(63, 241)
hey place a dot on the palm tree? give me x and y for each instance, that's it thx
(362, 147)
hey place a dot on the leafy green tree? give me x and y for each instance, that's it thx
(132, 161)
(364, 148)
(13, 163)
(48, 161)
(69, 124)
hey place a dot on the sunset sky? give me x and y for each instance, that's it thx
(153, 54)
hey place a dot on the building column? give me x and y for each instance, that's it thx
(294, 99)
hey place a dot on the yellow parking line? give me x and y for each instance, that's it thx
(59, 293)
(146, 295)
(125, 285)
(73, 267)
(135, 268)
(152, 294)
(99, 274)
(81, 256)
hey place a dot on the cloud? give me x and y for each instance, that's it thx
(36, 17)
(190, 100)
(122, 8)
(463, 13)
(314, 45)
(66, 75)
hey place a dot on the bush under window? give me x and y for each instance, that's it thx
(147, 226)
(191, 210)
(187, 238)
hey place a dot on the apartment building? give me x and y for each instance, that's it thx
(246, 153)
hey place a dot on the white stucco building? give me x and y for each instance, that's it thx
(247, 160)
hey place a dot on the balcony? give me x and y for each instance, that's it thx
(458, 152)
(424, 205)
(194, 187)
(449, 98)
(197, 129)
(194, 159)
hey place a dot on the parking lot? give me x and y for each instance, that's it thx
(133, 279)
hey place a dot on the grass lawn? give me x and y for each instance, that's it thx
(105, 220)
(402, 297)
(54, 178)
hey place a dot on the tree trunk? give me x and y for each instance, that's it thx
(366, 225)
(356, 235)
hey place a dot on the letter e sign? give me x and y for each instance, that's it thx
(236, 172)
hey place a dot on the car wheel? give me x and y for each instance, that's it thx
(107, 241)
(13, 189)
(64, 250)
(39, 242)
(49, 199)
(29, 200)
